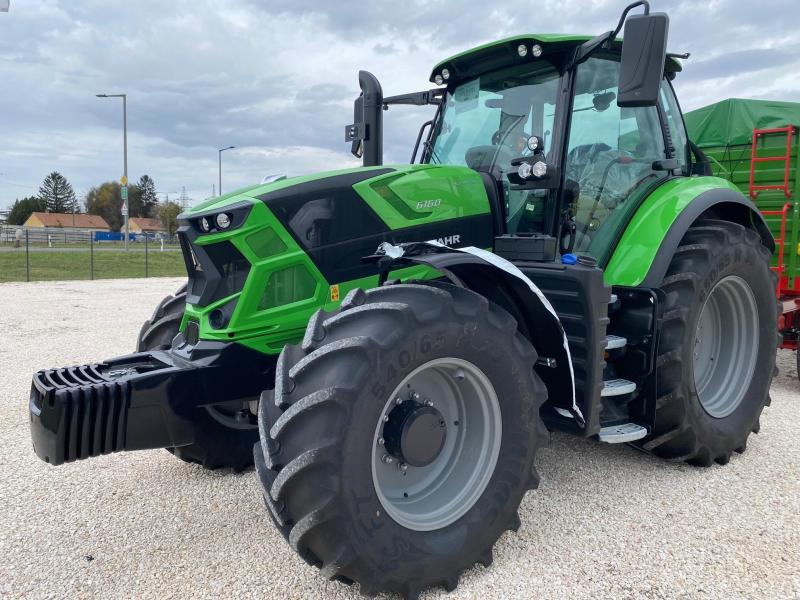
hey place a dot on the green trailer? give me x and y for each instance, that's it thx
(755, 145)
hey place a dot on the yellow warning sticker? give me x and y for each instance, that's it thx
(335, 293)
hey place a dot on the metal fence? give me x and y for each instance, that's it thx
(61, 254)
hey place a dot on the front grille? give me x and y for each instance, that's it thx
(215, 271)
(229, 266)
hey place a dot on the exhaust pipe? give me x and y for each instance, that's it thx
(366, 132)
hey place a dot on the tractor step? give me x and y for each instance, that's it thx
(621, 434)
(614, 342)
(617, 387)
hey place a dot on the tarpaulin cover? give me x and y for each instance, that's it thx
(731, 122)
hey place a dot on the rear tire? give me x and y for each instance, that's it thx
(715, 357)
(316, 460)
(219, 440)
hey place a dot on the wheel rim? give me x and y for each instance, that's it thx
(424, 498)
(725, 346)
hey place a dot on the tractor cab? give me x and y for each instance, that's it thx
(567, 141)
(566, 159)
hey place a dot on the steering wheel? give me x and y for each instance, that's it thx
(582, 155)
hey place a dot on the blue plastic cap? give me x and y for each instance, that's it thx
(569, 259)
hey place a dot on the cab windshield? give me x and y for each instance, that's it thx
(486, 123)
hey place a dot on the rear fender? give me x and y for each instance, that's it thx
(654, 233)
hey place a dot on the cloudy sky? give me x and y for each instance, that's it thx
(277, 79)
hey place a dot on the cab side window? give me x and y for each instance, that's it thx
(677, 131)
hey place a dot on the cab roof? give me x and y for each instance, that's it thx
(503, 53)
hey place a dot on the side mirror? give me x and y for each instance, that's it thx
(644, 50)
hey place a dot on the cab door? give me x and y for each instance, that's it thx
(610, 157)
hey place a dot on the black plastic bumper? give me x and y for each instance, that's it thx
(139, 401)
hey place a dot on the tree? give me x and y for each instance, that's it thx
(147, 196)
(57, 194)
(168, 213)
(134, 201)
(105, 200)
(22, 209)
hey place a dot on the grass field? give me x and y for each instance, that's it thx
(76, 263)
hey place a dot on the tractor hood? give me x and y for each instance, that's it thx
(262, 259)
(362, 200)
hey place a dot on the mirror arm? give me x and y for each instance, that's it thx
(587, 48)
(625, 12)
(423, 98)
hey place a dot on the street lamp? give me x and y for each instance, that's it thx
(124, 154)
(220, 151)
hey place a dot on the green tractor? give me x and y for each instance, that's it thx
(390, 345)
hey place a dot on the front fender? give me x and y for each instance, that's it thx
(648, 244)
(501, 282)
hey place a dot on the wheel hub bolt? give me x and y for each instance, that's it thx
(403, 467)
(387, 459)
(414, 396)
(429, 402)
(398, 401)
(381, 441)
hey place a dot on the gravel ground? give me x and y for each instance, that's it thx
(607, 521)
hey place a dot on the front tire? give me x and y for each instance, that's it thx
(716, 352)
(220, 441)
(332, 470)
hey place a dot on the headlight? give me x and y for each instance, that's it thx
(527, 170)
(223, 220)
(438, 79)
(536, 50)
(232, 217)
(522, 50)
(446, 73)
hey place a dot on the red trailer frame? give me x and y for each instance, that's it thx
(786, 293)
